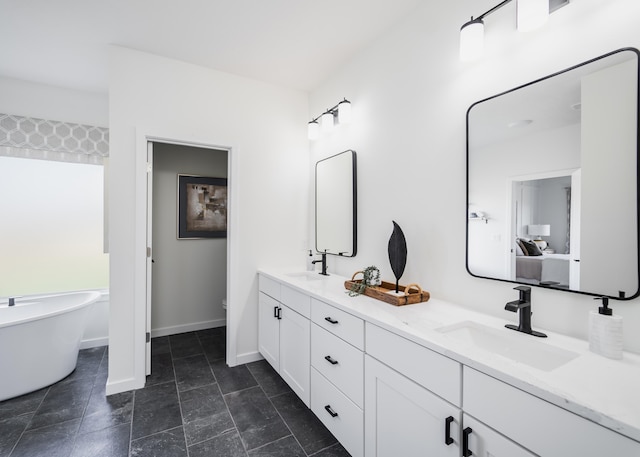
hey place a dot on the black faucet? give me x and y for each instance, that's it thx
(324, 263)
(523, 305)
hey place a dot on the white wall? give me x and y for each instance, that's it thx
(189, 276)
(410, 94)
(24, 98)
(265, 127)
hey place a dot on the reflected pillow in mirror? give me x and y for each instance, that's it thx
(519, 250)
(530, 247)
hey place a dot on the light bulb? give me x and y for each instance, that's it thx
(327, 121)
(344, 112)
(313, 130)
(472, 40)
(532, 14)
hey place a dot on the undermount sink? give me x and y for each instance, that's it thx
(518, 347)
(307, 275)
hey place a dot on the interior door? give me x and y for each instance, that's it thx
(149, 255)
(574, 230)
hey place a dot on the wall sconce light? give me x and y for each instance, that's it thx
(530, 14)
(339, 114)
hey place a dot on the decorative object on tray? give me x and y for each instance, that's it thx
(371, 277)
(385, 291)
(397, 253)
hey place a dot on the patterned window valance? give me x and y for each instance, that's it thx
(29, 137)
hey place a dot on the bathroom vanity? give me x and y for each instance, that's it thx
(436, 378)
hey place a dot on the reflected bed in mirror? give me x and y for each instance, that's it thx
(336, 205)
(552, 180)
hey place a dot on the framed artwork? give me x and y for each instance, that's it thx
(202, 207)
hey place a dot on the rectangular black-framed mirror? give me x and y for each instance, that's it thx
(552, 180)
(336, 204)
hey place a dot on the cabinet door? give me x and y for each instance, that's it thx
(269, 329)
(486, 442)
(295, 358)
(404, 419)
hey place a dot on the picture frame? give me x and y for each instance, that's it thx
(202, 207)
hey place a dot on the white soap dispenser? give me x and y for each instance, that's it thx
(310, 265)
(605, 331)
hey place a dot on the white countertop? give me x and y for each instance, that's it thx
(602, 390)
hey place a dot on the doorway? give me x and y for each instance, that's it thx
(186, 276)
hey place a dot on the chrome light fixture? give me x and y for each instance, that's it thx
(530, 14)
(338, 114)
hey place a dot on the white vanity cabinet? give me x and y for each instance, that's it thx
(284, 333)
(337, 374)
(535, 424)
(412, 399)
(384, 391)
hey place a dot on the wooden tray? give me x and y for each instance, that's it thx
(409, 295)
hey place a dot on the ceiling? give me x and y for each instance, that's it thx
(293, 43)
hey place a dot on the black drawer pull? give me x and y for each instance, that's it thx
(466, 452)
(331, 321)
(330, 411)
(275, 311)
(330, 360)
(279, 316)
(447, 431)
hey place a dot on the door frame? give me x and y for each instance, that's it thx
(141, 272)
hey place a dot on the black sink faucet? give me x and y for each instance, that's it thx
(523, 306)
(324, 263)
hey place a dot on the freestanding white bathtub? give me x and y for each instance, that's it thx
(39, 340)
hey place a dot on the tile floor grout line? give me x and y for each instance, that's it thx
(175, 379)
(235, 425)
(284, 421)
(133, 405)
(84, 410)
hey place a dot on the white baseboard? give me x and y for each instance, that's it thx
(123, 385)
(175, 329)
(94, 343)
(248, 357)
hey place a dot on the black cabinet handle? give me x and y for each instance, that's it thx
(279, 316)
(466, 452)
(330, 411)
(447, 431)
(330, 360)
(331, 321)
(275, 312)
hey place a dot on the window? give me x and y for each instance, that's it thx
(51, 227)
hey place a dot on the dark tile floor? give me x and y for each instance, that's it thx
(193, 405)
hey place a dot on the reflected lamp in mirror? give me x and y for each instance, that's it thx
(336, 205)
(537, 232)
(584, 177)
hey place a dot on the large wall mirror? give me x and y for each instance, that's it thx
(336, 204)
(552, 180)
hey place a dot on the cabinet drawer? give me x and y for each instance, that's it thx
(295, 300)
(269, 286)
(486, 442)
(537, 425)
(339, 362)
(440, 374)
(340, 415)
(348, 327)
